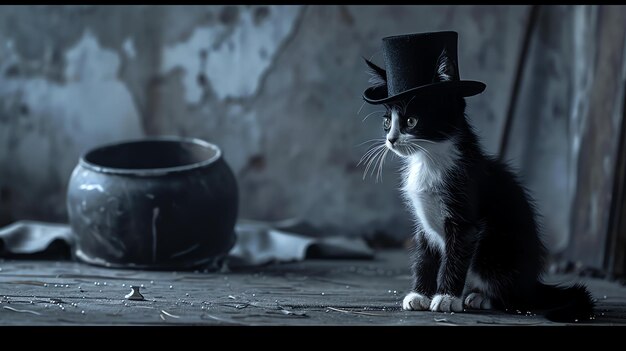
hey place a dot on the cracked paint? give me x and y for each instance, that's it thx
(244, 51)
(129, 48)
(64, 120)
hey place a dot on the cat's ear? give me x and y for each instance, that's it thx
(378, 75)
(445, 68)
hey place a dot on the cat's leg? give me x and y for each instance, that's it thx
(458, 251)
(477, 292)
(425, 265)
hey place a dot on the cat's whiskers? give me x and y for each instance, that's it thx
(426, 152)
(380, 165)
(369, 153)
(360, 108)
(371, 141)
(373, 112)
(369, 164)
(375, 161)
(404, 147)
(369, 156)
(424, 140)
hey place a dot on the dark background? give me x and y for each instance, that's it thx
(278, 88)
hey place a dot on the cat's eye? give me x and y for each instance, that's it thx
(386, 122)
(411, 122)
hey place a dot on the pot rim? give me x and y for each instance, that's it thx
(148, 172)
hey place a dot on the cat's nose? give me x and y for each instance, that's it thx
(392, 139)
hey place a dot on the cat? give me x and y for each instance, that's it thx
(477, 241)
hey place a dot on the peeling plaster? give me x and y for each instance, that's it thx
(129, 48)
(246, 52)
(91, 108)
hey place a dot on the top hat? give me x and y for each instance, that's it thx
(418, 64)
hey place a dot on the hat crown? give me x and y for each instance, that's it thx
(423, 64)
(414, 60)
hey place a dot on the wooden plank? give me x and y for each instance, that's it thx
(592, 201)
(616, 244)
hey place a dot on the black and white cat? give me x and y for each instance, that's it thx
(477, 240)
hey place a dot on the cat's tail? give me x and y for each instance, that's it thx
(565, 304)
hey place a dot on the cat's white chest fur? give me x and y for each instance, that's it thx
(423, 179)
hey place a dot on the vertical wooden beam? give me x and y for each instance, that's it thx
(614, 261)
(531, 21)
(599, 144)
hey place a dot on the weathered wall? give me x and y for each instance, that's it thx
(277, 87)
(566, 131)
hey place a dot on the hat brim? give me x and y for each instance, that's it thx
(378, 95)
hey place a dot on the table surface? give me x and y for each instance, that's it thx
(312, 292)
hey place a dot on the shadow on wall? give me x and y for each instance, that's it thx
(278, 88)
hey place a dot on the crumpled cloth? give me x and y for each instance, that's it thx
(258, 243)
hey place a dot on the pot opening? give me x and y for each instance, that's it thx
(155, 155)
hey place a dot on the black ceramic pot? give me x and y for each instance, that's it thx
(159, 203)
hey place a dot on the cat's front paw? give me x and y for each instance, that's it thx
(415, 302)
(446, 303)
(477, 301)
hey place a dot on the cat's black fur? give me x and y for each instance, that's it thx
(490, 223)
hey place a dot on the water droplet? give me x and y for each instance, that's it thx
(100, 290)
(82, 312)
(67, 285)
(79, 287)
(105, 283)
(152, 282)
(322, 294)
(45, 306)
(605, 297)
(253, 295)
(95, 283)
(389, 291)
(171, 287)
(347, 286)
(191, 304)
(123, 285)
(327, 311)
(186, 294)
(31, 302)
(45, 285)
(575, 320)
(395, 291)
(125, 304)
(202, 307)
(56, 285)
